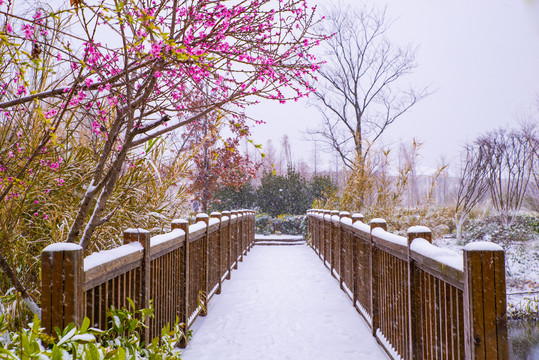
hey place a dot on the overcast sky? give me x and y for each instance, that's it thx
(481, 58)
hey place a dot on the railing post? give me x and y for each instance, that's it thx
(205, 263)
(228, 243)
(335, 243)
(343, 243)
(415, 340)
(241, 236)
(355, 261)
(327, 238)
(184, 285)
(218, 215)
(253, 225)
(234, 236)
(143, 237)
(375, 296)
(61, 286)
(485, 316)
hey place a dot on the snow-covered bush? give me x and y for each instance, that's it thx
(282, 224)
(522, 228)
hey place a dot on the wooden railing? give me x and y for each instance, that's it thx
(180, 271)
(421, 301)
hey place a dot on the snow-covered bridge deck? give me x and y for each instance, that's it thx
(282, 303)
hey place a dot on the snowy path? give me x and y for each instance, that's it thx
(281, 303)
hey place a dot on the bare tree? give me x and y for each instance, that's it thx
(511, 165)
(474, 182)
(359, 91)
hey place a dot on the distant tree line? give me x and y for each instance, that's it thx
(290, 193)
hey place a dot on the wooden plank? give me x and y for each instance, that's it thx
(501, 305)
(46, 291)
(489, 306)
(474, 325)
(57, 289)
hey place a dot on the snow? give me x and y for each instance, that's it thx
(84, 338)
(387, 345)
(346, 221)
(482, 246)
(278, 237)
(445, 256)
(281, 304)
(196, 227)
(63, 247)
(362, 226)
(215, 213)
(418, 229)
(136, 231)
(180, 221)
(159, 239)
(202, 216)
(214, 221)
(377, 221)
(102, 257)
(387, 236)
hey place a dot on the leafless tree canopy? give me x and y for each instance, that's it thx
(359, 91)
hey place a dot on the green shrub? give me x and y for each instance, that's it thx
(282, 224)
(121, 341)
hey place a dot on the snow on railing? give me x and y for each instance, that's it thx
(179, 271)
(421, 301)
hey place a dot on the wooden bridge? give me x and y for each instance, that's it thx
(420, 301)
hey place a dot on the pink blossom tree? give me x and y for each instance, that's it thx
(132, 71)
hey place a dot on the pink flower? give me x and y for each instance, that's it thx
(36, 214)
(21, 90)
(60, 182)
(9, 29)
(45, 217)
(157, 74)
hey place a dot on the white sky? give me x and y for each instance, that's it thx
(481, 57)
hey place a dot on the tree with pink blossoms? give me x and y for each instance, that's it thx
(129, 72)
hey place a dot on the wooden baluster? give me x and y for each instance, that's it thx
(185, 280)
(217, 215)
(375, 276)
(343, 248)
(415, 341)
(143, 237)
(355, 260)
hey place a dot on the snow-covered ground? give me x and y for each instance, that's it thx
(281, 303)
(522, 274)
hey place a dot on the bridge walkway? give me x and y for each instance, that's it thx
(282, 303)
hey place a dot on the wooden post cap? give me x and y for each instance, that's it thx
(344, 214)
(378, 223)
(422, 232)
(180, 224)
(134, 235)
(357, 217)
